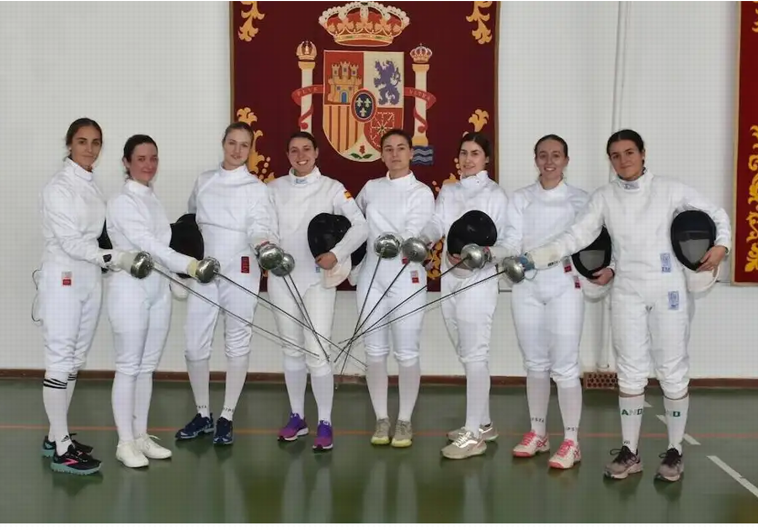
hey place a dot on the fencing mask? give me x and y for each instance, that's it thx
(324, 232)
(693, 234)
(187, 239)
(474, 227)
(592, 259)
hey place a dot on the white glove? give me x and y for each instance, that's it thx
(191, 269)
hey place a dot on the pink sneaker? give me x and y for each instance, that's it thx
(530, 445)
(567, 455)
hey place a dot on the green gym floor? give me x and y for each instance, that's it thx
(260, 480)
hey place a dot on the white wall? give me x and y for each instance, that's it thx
(154, 68)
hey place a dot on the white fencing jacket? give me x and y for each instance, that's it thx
(638, 216)
(296, 201)
(233, 211)
(73, 214)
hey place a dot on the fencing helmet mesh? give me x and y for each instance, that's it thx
(592, 259)
(473, 226)
(186, 238)
(693, 234)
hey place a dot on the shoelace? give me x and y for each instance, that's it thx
(528, 437)
(623, 455)
(670, 457)
(463, 437)
(565, 447)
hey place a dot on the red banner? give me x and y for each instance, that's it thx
(745, 254)
(348, 72)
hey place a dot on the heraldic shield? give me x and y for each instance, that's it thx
(363, 98)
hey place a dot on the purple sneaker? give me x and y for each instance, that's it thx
(294, 429)
(323, 440)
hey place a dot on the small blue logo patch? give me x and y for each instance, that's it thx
(665, 262)
(674, 300)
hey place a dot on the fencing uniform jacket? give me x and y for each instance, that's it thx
(233, 211)
(140, 309)
(402, 206)
(296, 201)
(468, 315)
(649, 292)
(70, 287)
(548, 310)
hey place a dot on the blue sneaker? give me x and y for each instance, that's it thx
(224, 432)
(199, 425)
(324, 438)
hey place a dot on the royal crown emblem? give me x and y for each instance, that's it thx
(368, 24)
(364, 91)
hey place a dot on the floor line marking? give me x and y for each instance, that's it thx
(689, 439)
(745, 483)
(648, 405)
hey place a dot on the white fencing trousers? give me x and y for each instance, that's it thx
(468, 315)
(549, 315)
(651, 319)
(69, 307)
(406, 331)
(202, 316)
(319, 304)
(140, 316)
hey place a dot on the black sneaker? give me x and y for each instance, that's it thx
(48, 447)
(624, 464)
(671, 467)
(75, 462)
(197, 426)
(224, 432)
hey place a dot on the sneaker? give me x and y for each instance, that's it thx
(128, 454)
(531, 444)
(224, 432)
(488, 433)
(199, 425)
(150, 449)
(324, 438)
(465, 446)
(671, 467)
(48, 447)
(295, 428)
(625, 463)
(74, 462)
(381, 432)
(567, 455)
(403, 434)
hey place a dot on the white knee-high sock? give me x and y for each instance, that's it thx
(200, 376)
(56, 406)
(486, 419)
(408, 381)
(122, 398)
(477, 394)
(631, 409)
(296, 380)
(538, 399)
(143, 392)
(570, 401)
(377, 381)
(70, 388)
(676, 420)
(323, 391)
(236, 374)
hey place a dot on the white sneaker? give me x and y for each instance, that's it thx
(488, 433)
(150, 449)
(530, 445)
(465, 446)
(128, 454)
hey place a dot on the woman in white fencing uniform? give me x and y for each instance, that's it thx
(468, 315)
(139, 310)
(234, 214)
(548, 311)
(70, 287)
(297, 198)
(400, 204)
(649, 294)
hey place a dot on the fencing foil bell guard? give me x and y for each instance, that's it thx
(325, 231)
(473, 227)
(588, 261)
(693, 234)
